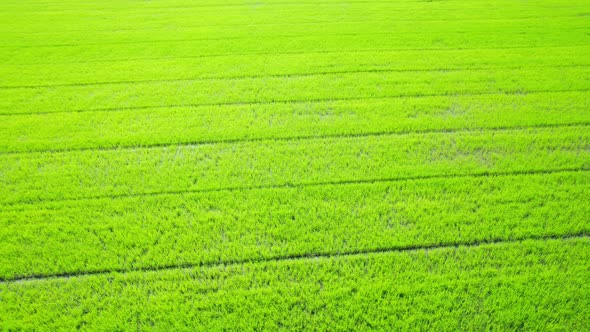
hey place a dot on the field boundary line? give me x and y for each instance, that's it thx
(218, 55)
(299, 138)
(301, 101)
(294, 75)
(298, 257)
(287, 185)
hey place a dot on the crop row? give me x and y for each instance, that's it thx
(297, 88)
(233, 66)
(240, 225)
(82, 174)
(191, 125)
(532, 285)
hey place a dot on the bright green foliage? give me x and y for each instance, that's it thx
(297, 64)
(321, 165)
(83, 174)
(535, 285)
(317, 87)
(162, 126)
(204, 228)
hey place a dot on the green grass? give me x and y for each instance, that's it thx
(315, 87)
(317, 165)
(509, 286)
(237, 225)
(139, 171)
(290, 120)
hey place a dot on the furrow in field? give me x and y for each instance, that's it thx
(295, 138)
(52, 132)
(67, 175)
(289, 75)
(291, 89)
(18, 206)
(297, 257)
(534, 285)
(298, 102)
(143, 233)
(365, 70)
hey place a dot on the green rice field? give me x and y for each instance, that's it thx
(317, 165)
